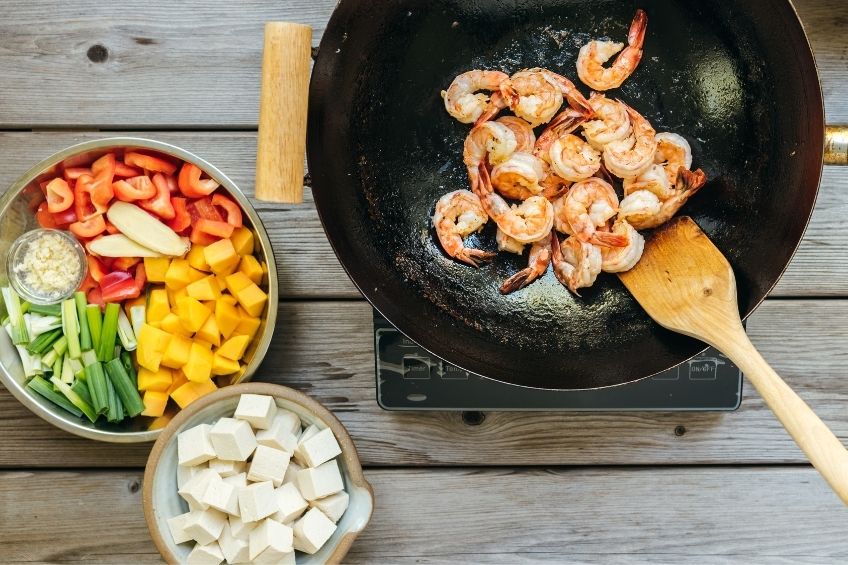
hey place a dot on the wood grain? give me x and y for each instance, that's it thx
(308, 268)
(326, 350)
(481, 516)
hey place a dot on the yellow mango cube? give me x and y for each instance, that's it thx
(173, 325)
(176, 354)
(178, 274)
(250, 266)
(158, 305)
(248, 325)
(234, 347)
(204, 289)
(209, 332)
(229, 299)
(155, 268)
(152, 342)
(223, 366)
(196, 258)
(154, 403)
(227, 317)
(191, 391)
(252, 299)
(221, 256)
(192, 313)
(236, 282)
(160, 422)
(199, 365)
(243, 242)
(157, 381)
(179, 380)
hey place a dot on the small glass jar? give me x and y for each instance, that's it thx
(24, 282)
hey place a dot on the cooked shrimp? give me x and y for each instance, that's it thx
(506, 243)
(519, 176)
(644, 210)
(576, 263)
(553, 186)
(524, 136)
(673, 153)
(573, 159)
(653, 180)
(633, 155)
(457, 215)
(588, 205)
(563, 123)
(593, 55)
(463, 100)
(489, 140)
(610, 123)
(527, 222)
(537, 264)
(620, 259)
(560, 220)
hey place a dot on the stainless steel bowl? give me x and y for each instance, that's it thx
(17, 207)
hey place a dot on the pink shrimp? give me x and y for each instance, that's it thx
(593, 55)
(540, 258)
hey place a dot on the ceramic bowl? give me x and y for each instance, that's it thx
(159, 493)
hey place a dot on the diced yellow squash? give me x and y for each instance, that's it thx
(242, 239)
(178, 274)
(236, 282)
(234, 347)
(179, 380)
(209, 332)
(195, 275)
(226, 316)
(248, 325)
(161, 421)
(173, 325)
(155, 268)
(204, 289)
(199, 365)
(223, 366)
(152, 342)
(192, 313)
(176, 354)
(191, 391)
(196, 258)
(221, 256)
(158, 306)
(252, 299)
(154, 403)
(176, 294)
(251, 267)
(228, 298)
(157, 381)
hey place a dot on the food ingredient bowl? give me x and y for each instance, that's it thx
(159, 493)
(17, 216)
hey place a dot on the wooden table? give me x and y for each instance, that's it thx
(624, 487)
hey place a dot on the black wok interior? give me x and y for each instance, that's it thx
(736, 78)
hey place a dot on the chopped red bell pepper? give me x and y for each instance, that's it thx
(87, 283)
(190, 183)
(124, 263)
(203, 208)
(220, 230)
(64, 219)
(149, 162)
(95, 296)
(140, 277)
(111, 229)
(104, 167)
(135, 188)
(59, 195)
(182, 219)
(161, 203)
(88, 228)
(172, 183)
(125, 171)
(232, 209)
(200, 237)
(45, 218)
(96, 269)
(91, 196)
(118, 286)
(76, 172)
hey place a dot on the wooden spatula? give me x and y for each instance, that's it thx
(684, 283)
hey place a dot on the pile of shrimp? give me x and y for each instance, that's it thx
(538, 187)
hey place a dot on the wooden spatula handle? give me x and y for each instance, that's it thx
(825, 451)
(283, 104)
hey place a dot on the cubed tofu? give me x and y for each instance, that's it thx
(226, 468)
(196, 258)
(319, 448)
(270, 534)
(332, 506)
(172, 324)
(205, 526)
(176, 353)
(268, 464)
(290, 419)
(198, 368)
(221, 256)
(154, 403)
(238, 480)
(194, 445)
(177, 527)
(232, 439)
(291, 472)
(209, 332)
(278, 436)
(235, 550)
(234, 348)
(209, 554)
(307, 433)
(312, 531)
(204, 289)
(220, 496)
(291, 503)
(250, 266)
(185, 472)
(158, 380)
(155, 268)
(189, 392)
(192, 313)
(239, 529)
(223, 366)
(242, 239)
(157, 305)
(252, 299)
(257, 409)
(227, 317)
(320, 481)
(195, 488)
(257, 501)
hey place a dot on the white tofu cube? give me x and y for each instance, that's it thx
(290, 502)
(257, 501)
(268, 464)
(332, 506)
(194, 447)
(232, 439)
(239, 529)
(290, 419)
(320, 481)
(257, 409)
(193, 491)
(221, 496)
(177, 526)
(278, 436)
(205, 526)
(273, 557)
(291, 472)
(226, 468)
(307, 433)
(235, 550)
(319, 448)
(185, 473)
(270, 534)
(209, 554)
(237, 481)
(312, 531)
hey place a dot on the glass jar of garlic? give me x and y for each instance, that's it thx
(46, 266)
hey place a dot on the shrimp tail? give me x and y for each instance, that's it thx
(474, 257)
(559, 261)
(636, 34)
(605, 174)
(518, 281)
(497, 102)
(609, 239)
(565, 122)
(690, 181)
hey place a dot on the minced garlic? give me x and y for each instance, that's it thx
(48, 266)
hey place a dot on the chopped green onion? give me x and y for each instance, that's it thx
(114, 410)
(127, 392)
(138, 315)
(25, 307)
(44, 341)
(50, 357)
(127, 362)
(57, 365)
(96, 380)
(68, 373)
(46, 309)
(71, 326)
(60, 346)
(95, 324)
(76, 366)
(85, 335)
(18, 332)
(81, 389)
(38, 324)
(88, 357)
(43, 388)
(106, 348)
(75, 399)
(125, 332)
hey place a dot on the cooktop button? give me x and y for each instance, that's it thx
(415, 367)
(454, 373)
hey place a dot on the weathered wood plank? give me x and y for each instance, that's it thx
(326, 349)
(215, 50)
(771, 514)
(309, 269)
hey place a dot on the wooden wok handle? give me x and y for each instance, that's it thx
(836, 145)
(283, 104)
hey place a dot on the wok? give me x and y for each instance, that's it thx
(736, 78)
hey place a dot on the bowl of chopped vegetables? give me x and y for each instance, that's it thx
(137, 279)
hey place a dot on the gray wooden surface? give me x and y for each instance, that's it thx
(520, 487)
